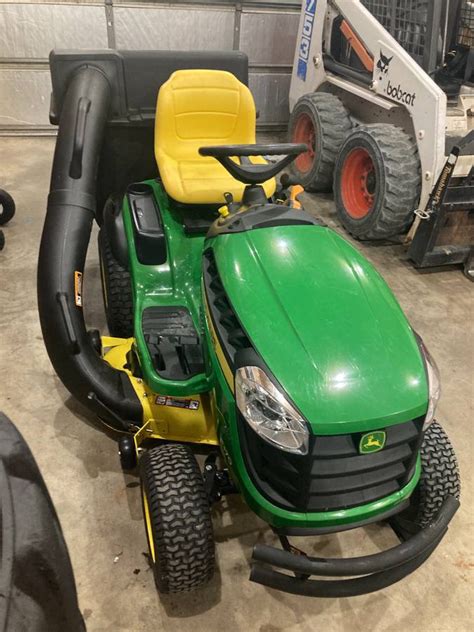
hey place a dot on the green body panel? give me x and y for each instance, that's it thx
(176, 282)
(273, 515)
(322, 320)
(326, 325)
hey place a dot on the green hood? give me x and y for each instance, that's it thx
(326, 325)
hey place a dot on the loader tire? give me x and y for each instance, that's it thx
(377, 182)
(322, 122)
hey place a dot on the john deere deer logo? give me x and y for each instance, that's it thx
(372, 442)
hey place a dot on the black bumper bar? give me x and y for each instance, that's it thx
(370, 572)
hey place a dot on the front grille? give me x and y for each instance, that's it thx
(333, 475)
(231, 335)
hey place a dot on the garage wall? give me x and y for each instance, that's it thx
(29, 29)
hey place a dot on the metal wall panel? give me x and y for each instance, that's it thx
(25, 95)
(29, 29)
(270, 92)
(32, 30)
(268, 37)
(70, 2)
(173, 28)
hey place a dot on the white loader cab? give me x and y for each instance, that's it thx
(381, 112)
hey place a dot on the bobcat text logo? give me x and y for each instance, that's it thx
(397, 93)
(305, 42)
(383, 63)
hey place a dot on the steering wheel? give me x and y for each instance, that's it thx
(246, 171)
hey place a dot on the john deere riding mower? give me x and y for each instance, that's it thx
(241, 329)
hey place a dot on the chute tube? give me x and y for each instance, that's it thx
(65, 239)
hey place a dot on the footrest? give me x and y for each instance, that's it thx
(173, 342)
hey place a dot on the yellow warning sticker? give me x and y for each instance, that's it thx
(78, 288)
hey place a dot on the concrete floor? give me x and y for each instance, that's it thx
(100, 509)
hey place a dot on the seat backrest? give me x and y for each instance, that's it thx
(199, 107)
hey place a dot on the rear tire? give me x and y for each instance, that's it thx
(439, 479)
(177, 519)
(116, 291)
(377, 182)
(322, 122)
(7, 207)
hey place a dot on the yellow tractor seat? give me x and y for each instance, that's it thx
(197, 108)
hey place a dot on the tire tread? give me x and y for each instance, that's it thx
(402, 169)
(334, 124)
(440, 474)
(119, 304)
(180, 516)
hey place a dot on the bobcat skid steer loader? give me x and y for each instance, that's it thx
(382, 93)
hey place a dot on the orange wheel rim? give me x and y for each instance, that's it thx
(358, 183)
(304, 132)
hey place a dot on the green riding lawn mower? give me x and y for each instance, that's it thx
(242, 329)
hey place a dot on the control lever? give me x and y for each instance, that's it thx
(289, 190)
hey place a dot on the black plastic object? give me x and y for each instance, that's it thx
(134, 78)
(248, 172)
(75, 167)
(114, 229)
(7, 204)
(127, 453)
(96, 340)
(150, 242)
(173, 342)
(371, 572)
(197, 220)
(262, 216)
(37, 588)
(232, 338)
(333, 475)
(100, 148)
(64, 243)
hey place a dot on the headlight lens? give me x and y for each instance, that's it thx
(268, 412)
(434, 385)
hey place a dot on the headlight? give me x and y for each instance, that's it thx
(434, 384)
(268, 411)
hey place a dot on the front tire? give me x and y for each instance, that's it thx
(321, 121)
(177, 519)
(439, 479)
(377, 182)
